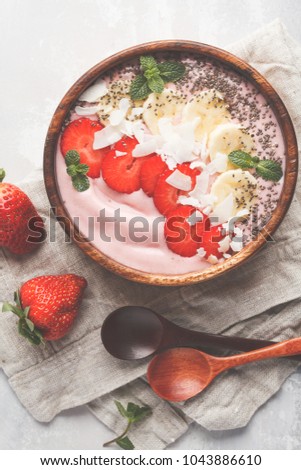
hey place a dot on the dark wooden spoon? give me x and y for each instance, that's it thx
(137, 332)
(180, 374)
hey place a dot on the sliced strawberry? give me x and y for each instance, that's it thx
(210, 239)
(79, 136)
(122, 173)
(165, 195)
(182, 232)
(150, 172)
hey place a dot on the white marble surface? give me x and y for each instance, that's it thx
(45, 46)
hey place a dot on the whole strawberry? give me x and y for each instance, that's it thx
(21, 227)
(47, 306)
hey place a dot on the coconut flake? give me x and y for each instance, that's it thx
(178, 140)
(220, 162)
(226, 255)
(138, 131)
(203, 147)
(86, 110)
(201, 185)
(201, 252)
(207, 210)
(107, 136)
(224, 244)
(223, 211)
(238, 232)
(188, 201)
(116, 117)
(180, 181)
(197, 164)
(236, 245)
(242, 213)
(212, 259)
(94, 92)
(148, 146)
(120, 154)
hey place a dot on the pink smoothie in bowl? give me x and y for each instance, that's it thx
(177, 174)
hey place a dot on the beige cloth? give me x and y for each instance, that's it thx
(260, 299)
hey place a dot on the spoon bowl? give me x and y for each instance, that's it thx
(189, 373)
(180, 374)
(134, 332)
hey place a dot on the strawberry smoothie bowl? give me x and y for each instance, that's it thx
(170, 162)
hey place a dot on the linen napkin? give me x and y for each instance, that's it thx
(260, 299)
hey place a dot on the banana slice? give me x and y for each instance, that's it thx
(228, 137)
(166, 104)
(211, 108)
(110, 101)
(234, 191)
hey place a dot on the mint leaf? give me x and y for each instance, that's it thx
(137, 413)
(77, 171)
(80, 182)
(171, 71)
(133, 413)
(125, 443)
(152, 73)
(242, 159)
(72, 157)
(154, 76)
(156, 84)
(147, 62)
(139, 89)
(82, 168)
(121, 408)
(72, 170)
(269, 170)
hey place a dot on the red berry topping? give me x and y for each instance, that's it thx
(122, 173)
(210, 239)
(79, 136)
(150, 172)
(165, 195)
(183, 230)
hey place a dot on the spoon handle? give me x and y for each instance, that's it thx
(198, 339)
(290, 347)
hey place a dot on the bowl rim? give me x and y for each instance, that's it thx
(232, 62)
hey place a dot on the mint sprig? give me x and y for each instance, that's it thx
(2, 174)
(77, 171)
(133, 413)
(154, 76)
(26, 327)
(269, 170)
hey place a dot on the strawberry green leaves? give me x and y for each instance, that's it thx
(269, 170)
(132, 413)
(26, 327)
(77, 171)
(154, 76)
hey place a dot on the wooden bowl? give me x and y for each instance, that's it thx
(232, 62)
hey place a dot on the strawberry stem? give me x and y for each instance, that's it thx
(26, 327)
(2, 175)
